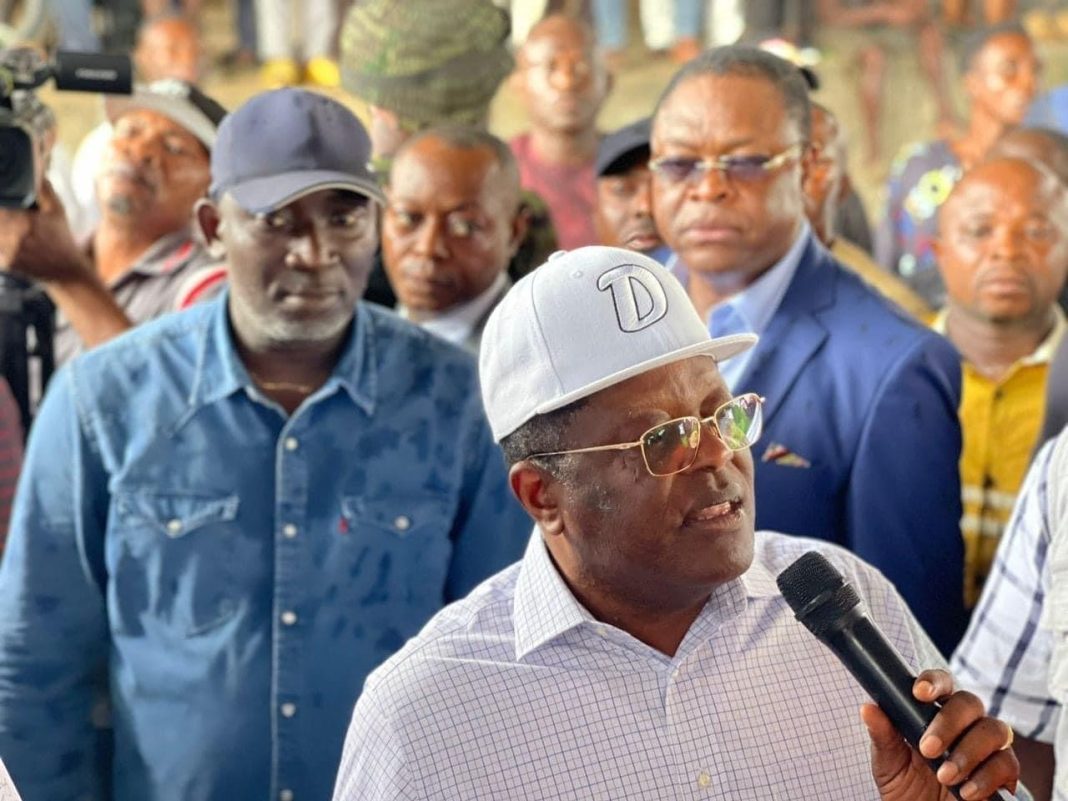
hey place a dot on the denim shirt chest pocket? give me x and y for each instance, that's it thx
(400, 547)
(172, 560)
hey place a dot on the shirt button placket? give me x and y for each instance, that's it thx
(291, 505)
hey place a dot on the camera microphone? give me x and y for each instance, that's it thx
(92, 72)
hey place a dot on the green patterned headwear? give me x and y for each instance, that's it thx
(427, 61)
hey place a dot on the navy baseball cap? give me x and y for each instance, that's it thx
(623, 149)
(284, 144)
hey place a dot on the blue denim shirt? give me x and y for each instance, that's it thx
(236, 572)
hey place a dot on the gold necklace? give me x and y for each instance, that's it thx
(281, 386)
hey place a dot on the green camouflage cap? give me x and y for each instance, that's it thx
(427, 61)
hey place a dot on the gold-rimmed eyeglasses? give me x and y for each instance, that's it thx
(671, 447)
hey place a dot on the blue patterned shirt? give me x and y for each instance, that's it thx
(518, 692)
(921, 178)
(234, 572)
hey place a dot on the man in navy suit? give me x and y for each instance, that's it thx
(862, 440)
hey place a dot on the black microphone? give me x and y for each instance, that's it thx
(830, 608)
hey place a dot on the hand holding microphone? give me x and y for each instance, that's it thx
(975, 765)
(961, 752)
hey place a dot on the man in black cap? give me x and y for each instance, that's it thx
(142, 260)
(239, 510)
(624, 213)
(415, 67)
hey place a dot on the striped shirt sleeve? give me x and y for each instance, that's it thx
(1004, 657)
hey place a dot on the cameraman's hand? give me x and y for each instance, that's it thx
(38, 243)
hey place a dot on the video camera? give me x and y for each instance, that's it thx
(25, 69)
(27, 316)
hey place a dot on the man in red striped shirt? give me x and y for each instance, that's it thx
(143, 260)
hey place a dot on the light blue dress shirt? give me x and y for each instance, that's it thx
(517, 692)
(234, 571)
(751, 310)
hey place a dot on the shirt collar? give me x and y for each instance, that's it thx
(759, 581)
(457, 324)
(546, 609)
(165, 256)
(1043, 354)
(220, 371)
(544, 606)
(752, 309)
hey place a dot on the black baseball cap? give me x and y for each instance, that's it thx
(624, 148)
(284, 144)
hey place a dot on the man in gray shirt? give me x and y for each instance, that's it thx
(142, 259)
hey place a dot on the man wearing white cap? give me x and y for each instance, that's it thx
(641, 648)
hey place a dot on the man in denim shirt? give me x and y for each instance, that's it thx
(239, 510)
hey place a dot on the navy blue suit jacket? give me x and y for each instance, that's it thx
(862, 441)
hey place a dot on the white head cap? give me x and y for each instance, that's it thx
(585, 320)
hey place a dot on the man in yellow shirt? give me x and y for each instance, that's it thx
(1003, 253)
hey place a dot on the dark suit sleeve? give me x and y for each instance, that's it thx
(1056, 397)
(903, 508)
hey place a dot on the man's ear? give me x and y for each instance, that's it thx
(383, 116)
(208, 222)
(609, 81)
(539, 493)
(520, 226)
(808, 164)
(845, 183)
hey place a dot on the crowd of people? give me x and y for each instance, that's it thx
(398, 461)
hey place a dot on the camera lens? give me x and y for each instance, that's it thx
(17, 165)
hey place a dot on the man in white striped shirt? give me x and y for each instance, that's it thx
(1015, 654)
(641, 649)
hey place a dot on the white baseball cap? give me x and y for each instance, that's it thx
(585, 320)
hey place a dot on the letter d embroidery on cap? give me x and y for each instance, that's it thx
(638, 296)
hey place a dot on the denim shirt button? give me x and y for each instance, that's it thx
(174, 527)
(292, 443)
(289, 618)
(289, 710)
(402, 523)
(289, 531)
(285, 795)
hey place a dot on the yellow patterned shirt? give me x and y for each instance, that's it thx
(1000, 421)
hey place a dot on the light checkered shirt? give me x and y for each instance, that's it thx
(517, 693)
(1005, 657)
